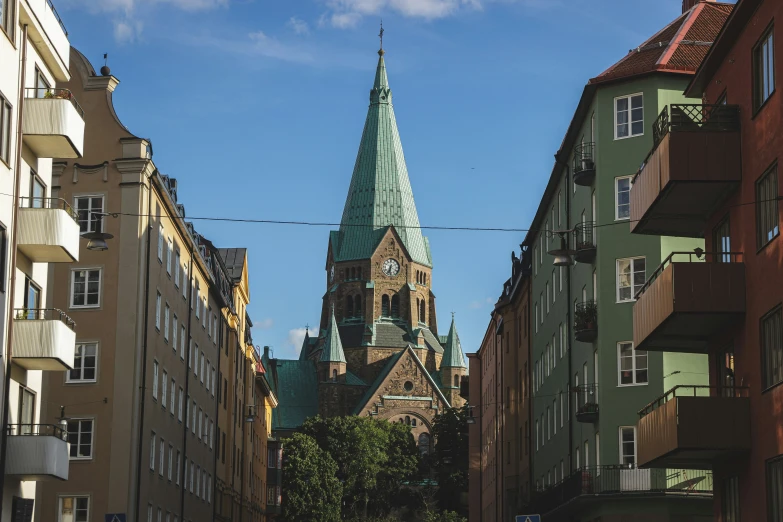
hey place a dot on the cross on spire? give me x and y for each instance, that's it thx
(380, 35)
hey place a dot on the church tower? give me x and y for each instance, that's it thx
(453, 368)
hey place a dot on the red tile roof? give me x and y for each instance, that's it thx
(679, 47)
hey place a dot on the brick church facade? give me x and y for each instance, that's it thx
(377, 352)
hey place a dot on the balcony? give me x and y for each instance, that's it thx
(689, 302)
(586, 400)
(584, 244)
(694, 166)
(586, 322)
(53, 123)
(48, 230)
(44, 339)
(37, 452)
(584, 164)
(592, 483)
(694, 427)
(46, 32)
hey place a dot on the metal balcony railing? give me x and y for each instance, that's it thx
(56, 94)
(41, 430)
(695, 256)
(694, 117)
(50, 203)
(586, 320)
(584, 157)
(695, 391)
(586, 402)
(43, 314)
(583, 235)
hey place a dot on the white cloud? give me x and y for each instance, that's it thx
(124, 32)
(475, 305)
(296, 337)
(298, 25)
(345, 20)
(264, 324)
(271, 47)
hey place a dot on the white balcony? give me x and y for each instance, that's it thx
(37, 452)
(47, 32)
(48, 231)
(43, 340)
(53, 123)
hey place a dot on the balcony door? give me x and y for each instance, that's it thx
(726, 374)
(26, 411)
(631, 477)
(37, 191)
(721, 242)
(32, 297)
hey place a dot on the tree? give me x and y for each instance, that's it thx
(450, 460)
(313, 492)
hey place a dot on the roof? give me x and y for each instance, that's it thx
(351, 379)
(740, 16)
(308, 344)
(380, 193)
(679, 47)
(296, 388)
(452, 352)
(234, 259)
(333, 346)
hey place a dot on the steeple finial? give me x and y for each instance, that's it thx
(381, 52)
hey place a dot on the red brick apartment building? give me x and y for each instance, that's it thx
(500, 471)
(714, 173)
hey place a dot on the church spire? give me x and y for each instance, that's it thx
(452, 352)
(333, 347)
(380, 193)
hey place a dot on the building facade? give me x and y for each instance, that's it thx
(728, 299)
(588, 378)
(38, 122)
(377, 351)
(500, 471)
(140, 402)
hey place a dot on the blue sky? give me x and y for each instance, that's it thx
(257, 107)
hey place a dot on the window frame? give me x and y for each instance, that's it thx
(72, 285)
(630, 122)
(769, 465)
(79, 433)
(68, 379)
(62, 497)
(617, 197)
(635, 444)
(617, 278)
(757, 83)
(90, 220)
(766, 383)
(634, 368)
(6, 115)
(762, 242)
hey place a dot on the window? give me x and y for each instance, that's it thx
(178, 464)
(179, 410)
(767, 221)
(598, 452)
(165, 386)
(80, 438)
(554, 414)
(721, 241)
(198, 481)
(628, 116)
(535, 321)
(155, 380)
(157, 311)
(166, 323)
(153, 439)
(177, 266)
(730, 500)
(162, 457)
(631, 275)
(169, 256)
(197, 301)
(763, 69)
(5, 119)
(184, 281)
(26, 412)
(537, 435)
(161, 239)
(554, 285)
(182, 343)
(171, 460)
(192, 472)
(73, 509)
(578, 458)
(562, 409)
(628, 446)
(85, 363)
(548, 424)
(772, 348)
(173, 396)
(202, 368)
(85, 288)
(89, 209)
(587, 454)
(535, 265)
(546, 286)
(632, 364)
(622, 198)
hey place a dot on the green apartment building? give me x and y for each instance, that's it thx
(588, 382)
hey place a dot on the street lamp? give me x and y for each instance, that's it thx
(564, 254)
(97, 240)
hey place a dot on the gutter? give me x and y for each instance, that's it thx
(188, 371)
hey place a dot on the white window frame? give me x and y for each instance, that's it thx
(171, 460)
(634, 369)
(153, 449)
(182, 343)
(158, 303)
(178, 468)
(155, 369)
(86, 286)
(164, 388)
(60, 499)
(174, 327)
(173, 396)
(632, 261)
(161, 239)
(617, 197)
(169, 255)
(79, 432)
(161, 456)
(635, 443)
(179, 411)
(83, 344)
(92, 219)
(630, 122)
(166, 316)
(185, 282)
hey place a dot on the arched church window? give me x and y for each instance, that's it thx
(456, 381)
(407, 420)
(385, 306)
(422, 310)
(348, 307)
(353, 273)
(359, 272)
(334, 375)
(395, 306)
(357, 306)
(424, 443)
(413, 421)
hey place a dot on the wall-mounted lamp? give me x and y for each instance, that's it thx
(563, 254)
(97, 240)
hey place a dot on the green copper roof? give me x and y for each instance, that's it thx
(333, 347)
(296, 387)
(380, 193)
(452, 352)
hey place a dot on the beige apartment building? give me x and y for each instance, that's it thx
(140, 403)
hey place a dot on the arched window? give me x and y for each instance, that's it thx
(424, 443)
(407, 420)
(425, 279)
(357, 306)
(413, 421)
(334, 375)
(422, 310)
(348, 307)
(456, 381)
(395, 306)
(353, 273)
(385, 306)
(359, 275)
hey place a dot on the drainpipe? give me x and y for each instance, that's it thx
(12, 290)
(217, 417)
(569, 323)
(143, 394)
(191, 285)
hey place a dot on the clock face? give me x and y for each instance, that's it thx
(391, 267)
(331, 274)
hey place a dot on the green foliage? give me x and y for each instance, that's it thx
(450, 460)
(312, 491)
(373, 459)
(445, 516)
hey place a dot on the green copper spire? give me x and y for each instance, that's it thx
(380, 193)
(452, 352)
(333, 347)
